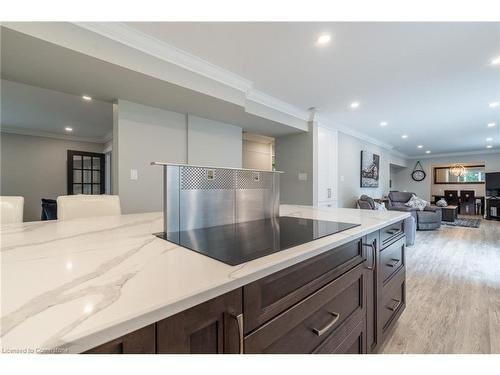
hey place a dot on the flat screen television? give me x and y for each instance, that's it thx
(492, 183)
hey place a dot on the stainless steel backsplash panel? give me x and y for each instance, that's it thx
(199, 197)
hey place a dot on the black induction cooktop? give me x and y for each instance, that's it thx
(240, 242)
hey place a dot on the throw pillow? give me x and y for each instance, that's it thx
(416, 202)
(441, 203)
(380, 206)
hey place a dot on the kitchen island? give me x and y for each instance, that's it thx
(72, 286)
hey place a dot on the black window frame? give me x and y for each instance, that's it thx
(70, 169)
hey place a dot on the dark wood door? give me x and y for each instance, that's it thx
(210, 328)
(85, 173)
(141, 341)
(372, 288)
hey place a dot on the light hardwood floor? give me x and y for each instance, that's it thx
(453, 293)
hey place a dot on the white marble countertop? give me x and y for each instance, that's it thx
(70, 286)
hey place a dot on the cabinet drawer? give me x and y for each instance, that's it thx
(141, 341)
(354, 343)
(332, 309)
(391, 232)
(393, 300)
(266, 298)
(392, 259)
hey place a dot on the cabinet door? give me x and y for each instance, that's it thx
(327, 166)
(373, 291)
(210, 328)
(141, 341)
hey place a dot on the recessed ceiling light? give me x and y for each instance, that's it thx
(496, 61)
(404, 136)
(493, 104)
(384, 123)
(491, 125)
(354, 104)
(420, 146)
(324, 39)
(428, 151)
(489, 139)
(87, 98)
(489, 146)
(68, 129)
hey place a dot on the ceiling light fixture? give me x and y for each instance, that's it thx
(489, 146)
(457, 170)
(496, 61)
(489, 139)
(428, 151)
(420, 146)
(68, 129)
(404, 136)
(384, 123)
(324, 39)
(354, 104)
(493, 104)
(87, 98)
(491, 125)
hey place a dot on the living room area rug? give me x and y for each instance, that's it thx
(463, 222)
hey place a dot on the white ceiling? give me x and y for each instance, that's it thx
(432, 81)
(35, 62)
(26, 107)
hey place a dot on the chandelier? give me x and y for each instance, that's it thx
(457, 170)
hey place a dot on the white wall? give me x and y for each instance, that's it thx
(349, 163)
(257, 155)
(294, 156)
(35, 168)
(143, 134)
(213, 143)
(424, 189)
(146, 134)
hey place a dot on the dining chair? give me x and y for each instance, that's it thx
(467, 202)
(80, 206)
(451, 197)
(11, 209)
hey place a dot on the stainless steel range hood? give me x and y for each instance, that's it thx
(203, 196)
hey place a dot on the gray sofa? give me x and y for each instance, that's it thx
(367, 203)
(428, 219)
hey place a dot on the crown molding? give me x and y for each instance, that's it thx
(400, 154)
(275, 103)
(359, 135)
(150, 45)
(465, 153)
(40, 133)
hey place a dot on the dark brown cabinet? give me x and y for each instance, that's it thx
(266, 298)
(389, 282)
(141, 341)
(344, 300)
(210, 328)
(372, 333)
(333, 310)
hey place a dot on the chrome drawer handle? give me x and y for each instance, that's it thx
(373, 247)
(319, 332)
(239, 319)
(394, 307)
(394, 262)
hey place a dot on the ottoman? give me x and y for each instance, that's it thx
(429, 220)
